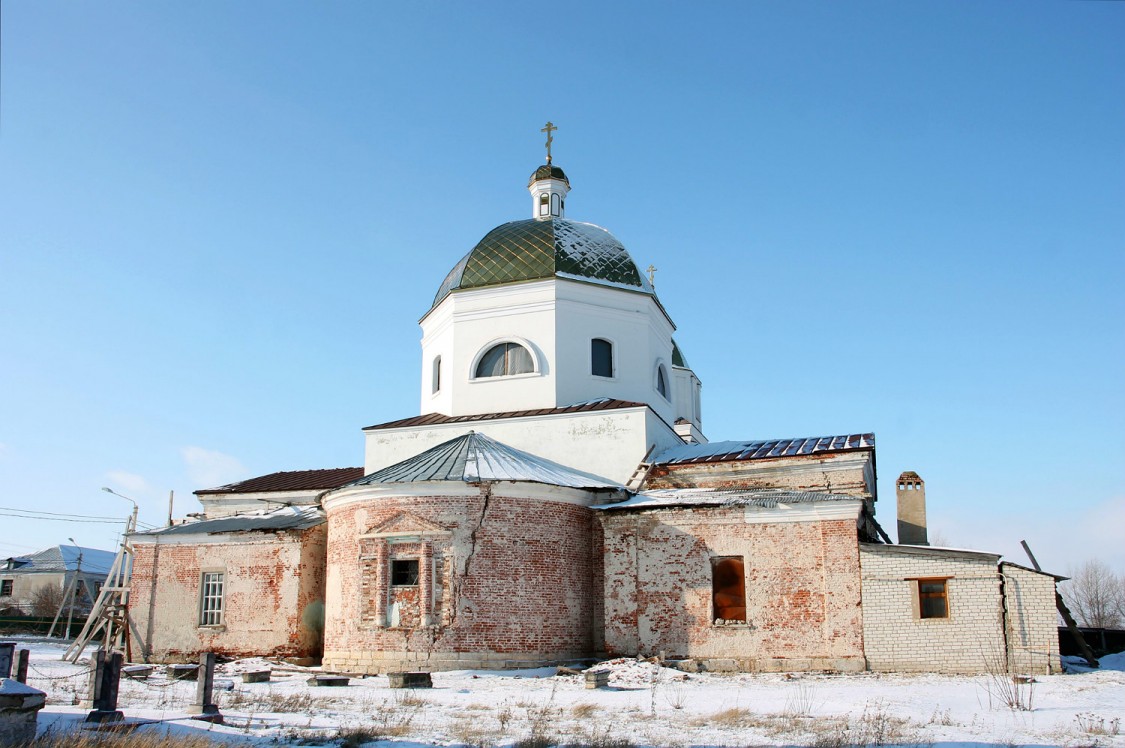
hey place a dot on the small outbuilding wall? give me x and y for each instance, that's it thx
(1032, 628)
(505, 577)
(967, 638)
(272, 594)
(801, 586)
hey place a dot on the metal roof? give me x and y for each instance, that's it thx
(292, 480)
(473, 458)
(763, 450)
(537, 248)
(435, 419)
(548, 171)
(61, 558)
(286, 518)
(760, 497)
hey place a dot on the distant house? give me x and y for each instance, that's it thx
(22, 577)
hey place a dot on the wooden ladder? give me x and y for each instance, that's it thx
(640, 475)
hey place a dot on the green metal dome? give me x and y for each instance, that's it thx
(534, 249)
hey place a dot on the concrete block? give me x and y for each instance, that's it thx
(410, 680)
(19, 712)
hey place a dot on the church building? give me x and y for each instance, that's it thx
(556, 500)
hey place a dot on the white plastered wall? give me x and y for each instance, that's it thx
(557, 319)
(607, 443)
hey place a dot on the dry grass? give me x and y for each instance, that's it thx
(1092, 724)
(274, 703)
(120, 740)
(733, 717)
(584, 710)
(472, 732)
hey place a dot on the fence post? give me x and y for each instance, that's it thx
(22, 658)
(6, 650)
(204, 704)
(104, 680)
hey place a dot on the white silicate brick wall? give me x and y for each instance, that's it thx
(1033, 635)
(896, 638)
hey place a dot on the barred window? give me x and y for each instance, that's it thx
(404, 572)
(211, 599)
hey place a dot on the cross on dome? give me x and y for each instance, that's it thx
(549, 129)
(548, 184)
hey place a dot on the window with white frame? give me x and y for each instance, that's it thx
(211, 598)
(504, 360)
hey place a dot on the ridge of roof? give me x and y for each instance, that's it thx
(290, 480)
(733, 451)
(474, 457)
(438, 419)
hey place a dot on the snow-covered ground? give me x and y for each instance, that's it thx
(645, 705)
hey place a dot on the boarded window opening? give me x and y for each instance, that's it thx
(5, 587)
(933, 602)
(404, 572)
(728, 588)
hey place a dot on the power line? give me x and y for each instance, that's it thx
(65, 519)
(55, 514)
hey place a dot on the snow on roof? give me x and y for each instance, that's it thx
(62, 558)
(930, 549)
(764, 449)
(760, 497)
(474, 457)
(266, 520)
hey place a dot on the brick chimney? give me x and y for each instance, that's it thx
(911, 493)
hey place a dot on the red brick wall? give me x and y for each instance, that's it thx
(514, 580)
(802, 589)
(273, 595)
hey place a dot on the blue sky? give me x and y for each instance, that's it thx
(219, 224)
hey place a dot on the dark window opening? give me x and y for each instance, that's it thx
(932, 599)
(505, 360)
(601, 358)
(662, 383)
(404, 572)
(728, 588)
(436, 374)
(6, 587)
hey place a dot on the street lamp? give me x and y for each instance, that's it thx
(132, 524)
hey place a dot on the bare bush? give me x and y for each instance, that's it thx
(46, 601)
(1095, 595)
